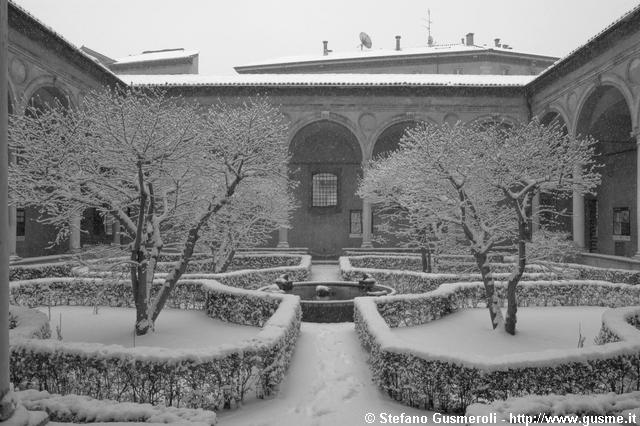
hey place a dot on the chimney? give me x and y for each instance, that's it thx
(398, 43)
(325, 49)
(496, 42)
(469, 39)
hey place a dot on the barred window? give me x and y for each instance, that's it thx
(21, 221)
(324, 190)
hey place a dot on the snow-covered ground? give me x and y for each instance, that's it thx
(325, 272)
(328, 384)
(174, 329)
(537, 329)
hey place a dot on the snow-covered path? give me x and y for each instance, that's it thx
(325, 272)
(328, 384)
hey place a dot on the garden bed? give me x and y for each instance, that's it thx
(421, 377)
(211, 377)
(174, 328)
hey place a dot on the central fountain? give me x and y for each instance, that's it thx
(329, 301)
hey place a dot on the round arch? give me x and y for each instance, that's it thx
(606, 80)
(326, 163)
(558, 111)
(489, 118)
(394, 121)
(389, 139)
(47, 83)
(338, 119)
(605, 113)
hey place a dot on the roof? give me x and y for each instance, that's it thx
(33, 27)
(351, 80)
(160, 55)
(583, 53)
(435, 50)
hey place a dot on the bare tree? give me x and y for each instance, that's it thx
(160, 168)
(249, 221)
(482, 178)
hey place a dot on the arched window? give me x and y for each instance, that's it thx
(324, 190)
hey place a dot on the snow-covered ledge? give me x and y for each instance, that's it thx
(402, 369)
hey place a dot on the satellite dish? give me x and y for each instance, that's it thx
(365, 40)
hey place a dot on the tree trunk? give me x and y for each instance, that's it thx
(139, 287)
(514, 279)
(493, 303)
(227, 262)
(425, 255)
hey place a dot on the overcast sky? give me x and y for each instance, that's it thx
(237, 32)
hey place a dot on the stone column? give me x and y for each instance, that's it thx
(637, 255)
(74, 233)
(6, 410)
(116, 232)
(535, 214)
(578, 216)
(366, 224)
(283, 237)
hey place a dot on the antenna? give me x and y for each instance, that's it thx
(365, 41)
(429, 22)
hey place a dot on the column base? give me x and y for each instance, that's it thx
(283, 244)
(366, 244)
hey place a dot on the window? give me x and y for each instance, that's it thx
(108, 225)
(355, 222)
(324, 190)
(21, 222)
(621, 222)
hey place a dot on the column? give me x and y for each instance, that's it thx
(578, 220)
(74, 233)
(637, 255)
(11, 240)
(366, 224)
(535, 214)
(6, 410)
(116, 232)
(283, 237)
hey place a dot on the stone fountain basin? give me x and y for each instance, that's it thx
(338, 306)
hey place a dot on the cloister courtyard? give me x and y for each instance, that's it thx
(440, 234)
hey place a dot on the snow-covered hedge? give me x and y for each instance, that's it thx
(417, 377)
(445, 263)
(28, 323)
(42, 270)
(410, 282)
(209, 378)
(83, 409)
(585, 272)
(542, 407)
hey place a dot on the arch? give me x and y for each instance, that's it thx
(492, 118)
(325, 141)
(326, 162)
(556, 109)
(48, 82)
(605, 80)
(397, 119)
(389, 139)
(554, 117)
(605, 113)
(301, 123)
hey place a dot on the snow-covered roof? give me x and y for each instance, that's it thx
(283, 80)
(577, 51)
(384, 53)
(55, 35)
(161, 55)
